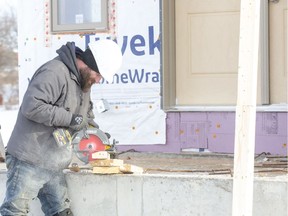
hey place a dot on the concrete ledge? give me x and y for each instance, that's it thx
(165, 195)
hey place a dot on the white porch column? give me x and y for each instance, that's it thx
(246, 108)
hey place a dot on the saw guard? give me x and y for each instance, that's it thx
(88, 141)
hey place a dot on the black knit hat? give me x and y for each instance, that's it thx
(88, 58)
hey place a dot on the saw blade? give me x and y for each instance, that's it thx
(86, 142)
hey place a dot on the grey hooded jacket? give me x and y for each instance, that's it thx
(53, 95)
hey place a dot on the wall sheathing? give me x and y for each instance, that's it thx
(214, 132)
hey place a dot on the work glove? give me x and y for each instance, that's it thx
(78, 122)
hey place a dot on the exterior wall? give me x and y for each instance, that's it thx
(200, 131)
(214, 132)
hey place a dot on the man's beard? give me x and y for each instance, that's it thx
(85, 79)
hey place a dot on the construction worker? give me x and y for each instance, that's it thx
(58, 96)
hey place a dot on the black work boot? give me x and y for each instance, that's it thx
(66, 212)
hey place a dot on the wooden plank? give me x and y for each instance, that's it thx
(107, 162)
(246, 108)
(101, 155)
(106, 170)
(128, 168)
(284, 164)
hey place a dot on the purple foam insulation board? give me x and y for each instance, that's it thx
(215, 131)
(271, 133)
(221, 143)
(221, 132)
(172, 138)
(193, 130)
(172, 133)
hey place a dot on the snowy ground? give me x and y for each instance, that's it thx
(7, 121)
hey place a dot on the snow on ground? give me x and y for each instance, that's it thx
(7, 121)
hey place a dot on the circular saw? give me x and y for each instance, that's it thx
(88, 141)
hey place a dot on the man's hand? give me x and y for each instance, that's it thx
(78, 122)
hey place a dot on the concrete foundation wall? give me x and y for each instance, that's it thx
(164, 195)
